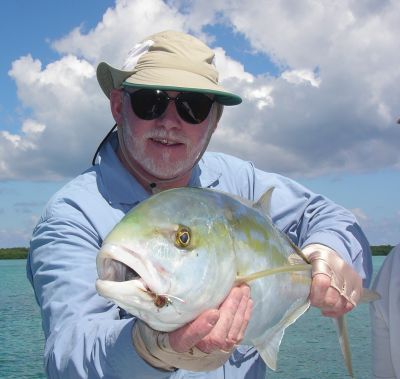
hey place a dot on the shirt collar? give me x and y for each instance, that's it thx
(121, 187)
(204, 175)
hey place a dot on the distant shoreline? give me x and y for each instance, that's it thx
(22, 252)
(14, 253)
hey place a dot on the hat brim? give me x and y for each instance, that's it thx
(110, 78)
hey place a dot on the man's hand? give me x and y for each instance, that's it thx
(336, 287)
(202, 345)
(327, 298)
(216, 329)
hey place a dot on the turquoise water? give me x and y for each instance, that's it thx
(21, 347)
(310, 349)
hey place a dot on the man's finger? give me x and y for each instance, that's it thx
(239, 318)
(246, 320)
(334, 302)
(184, 338)
(217, 339)
(319, 287)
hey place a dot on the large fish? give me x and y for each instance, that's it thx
(181, 251)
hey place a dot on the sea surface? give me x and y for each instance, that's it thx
(310, 349)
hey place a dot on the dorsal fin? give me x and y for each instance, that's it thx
(264, 202)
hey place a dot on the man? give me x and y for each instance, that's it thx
(166, 103)
(385, 318)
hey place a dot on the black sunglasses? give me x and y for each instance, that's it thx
(149, 104)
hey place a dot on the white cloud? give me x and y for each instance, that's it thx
(345, 119)
(360, 215)
(63, 127)
(262, 96)
(32, 127)
(120, 29)
(13, 139)
(304, 122)
(301, 76)
(230, 69)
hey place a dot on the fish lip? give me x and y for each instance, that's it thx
(133, 260)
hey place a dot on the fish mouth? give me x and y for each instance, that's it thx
(118, 264)
(114, 263)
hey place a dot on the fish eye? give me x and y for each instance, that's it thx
(182, 237)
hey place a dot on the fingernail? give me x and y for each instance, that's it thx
(213, 317)
(230, 341)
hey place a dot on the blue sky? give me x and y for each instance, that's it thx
(28, 27)
(318, 107)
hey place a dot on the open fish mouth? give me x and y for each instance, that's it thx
(117, 264)
(131, 274)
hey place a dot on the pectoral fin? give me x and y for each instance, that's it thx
(268, 344)
(271, 271)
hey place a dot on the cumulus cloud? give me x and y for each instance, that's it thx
(301, 76)
(120, 29)
(333, 108)
(62, 129)
(335, 105)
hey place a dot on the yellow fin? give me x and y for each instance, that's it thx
(368, 295)
(264, 202)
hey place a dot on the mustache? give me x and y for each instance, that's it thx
(161, 133)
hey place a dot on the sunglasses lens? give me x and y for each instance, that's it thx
(149, 104)
(193, 107)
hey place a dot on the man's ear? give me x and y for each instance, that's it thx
(214, 127)
(217, 113)
(116, 99)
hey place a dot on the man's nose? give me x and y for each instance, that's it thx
(170, 118)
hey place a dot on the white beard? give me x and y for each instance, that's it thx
(165, 167)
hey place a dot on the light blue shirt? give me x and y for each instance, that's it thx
(88, 336)
(385, 319)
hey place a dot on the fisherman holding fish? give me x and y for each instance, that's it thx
(166, 102)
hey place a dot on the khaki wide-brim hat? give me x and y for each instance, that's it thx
(168, 60)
